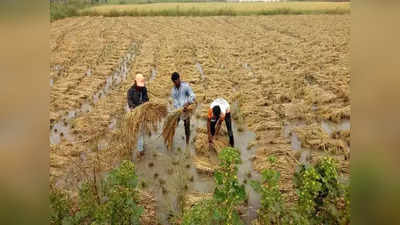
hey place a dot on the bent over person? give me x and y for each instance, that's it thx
(137, 95)
(183, 96)
(217, 113)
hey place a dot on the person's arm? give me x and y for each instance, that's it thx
(145, 96)
(130, 99)
(191, 95)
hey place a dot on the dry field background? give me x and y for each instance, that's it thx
(283, 75)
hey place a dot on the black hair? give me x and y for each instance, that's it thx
(175, 76)
(216, 111)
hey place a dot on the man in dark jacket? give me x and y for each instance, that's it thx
(137, 95)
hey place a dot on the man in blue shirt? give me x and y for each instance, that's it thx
(183, 96)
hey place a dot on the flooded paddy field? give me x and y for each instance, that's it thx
(287, 79)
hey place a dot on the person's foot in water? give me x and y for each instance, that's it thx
(140, 154)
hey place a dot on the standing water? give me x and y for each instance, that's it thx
(170, 175)
(246, 172)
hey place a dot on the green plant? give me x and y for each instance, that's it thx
(61, 9)
(120, 197)
(60, 206)
(228, 192)
(228, 195)
(322, 199)
(114, 203)
(274, 209)
(202, 213)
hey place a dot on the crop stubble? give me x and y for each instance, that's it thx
(275, 69)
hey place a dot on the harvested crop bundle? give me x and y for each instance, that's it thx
(202, 146)
(145, 117)
(172, 122)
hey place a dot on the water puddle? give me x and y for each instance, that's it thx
(153, 73)
(330, 127)
(246, 172)
(60, 131)
(171, 176)
(89, 72)
(113, 124)
(327, 126)
(119, 75)
(200, 69)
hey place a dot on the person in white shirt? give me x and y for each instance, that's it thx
(218, 112)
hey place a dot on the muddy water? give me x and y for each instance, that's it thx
(61, 129)
(170, 175)
(327, 126)
(153, 73)
(246, 172)
(330, 127)
(200, 69)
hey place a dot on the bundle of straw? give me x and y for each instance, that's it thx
(172, 122)
(145, 118)
(202, 145)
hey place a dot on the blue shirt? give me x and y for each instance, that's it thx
(182, 95)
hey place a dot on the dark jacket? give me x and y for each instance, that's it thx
(137, 96)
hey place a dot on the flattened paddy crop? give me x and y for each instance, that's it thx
(286, 77)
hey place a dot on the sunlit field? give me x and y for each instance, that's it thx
(286, 77)
(219, 8)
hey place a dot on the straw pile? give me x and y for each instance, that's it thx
(205, 164)
(202, 146)
(172, 122)
(145, 118)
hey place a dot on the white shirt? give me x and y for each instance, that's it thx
(223, 105)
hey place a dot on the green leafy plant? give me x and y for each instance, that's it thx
(114, 203)
(228, 195)
(202, 213)
(60, 206)
(322, 199)
(228, 192)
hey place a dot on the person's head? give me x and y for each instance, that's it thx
(139, 80)
(216, 112)
(176, 79)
